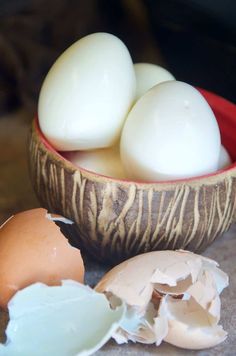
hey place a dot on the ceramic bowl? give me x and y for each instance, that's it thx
(116, 219)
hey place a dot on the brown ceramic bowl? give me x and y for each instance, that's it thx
(115, 219)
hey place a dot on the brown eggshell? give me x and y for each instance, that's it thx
(33, 249)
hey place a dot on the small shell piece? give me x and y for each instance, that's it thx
(33, 249)
(71, 319)
(171, 296)
(189, 325)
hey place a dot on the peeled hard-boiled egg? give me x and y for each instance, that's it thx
(169, 295)
(33, 249)
(224, 159)
(87, 94)
(170, 133)
(105, 161)
(148, 75)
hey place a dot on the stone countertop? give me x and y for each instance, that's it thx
(16, 194)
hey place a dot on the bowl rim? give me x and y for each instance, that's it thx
(213, 177)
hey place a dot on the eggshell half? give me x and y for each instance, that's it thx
(87, 94)
(71, 319)
(33, 249)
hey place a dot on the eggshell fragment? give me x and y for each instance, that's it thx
(70, 319)
(87, 94)
(33, 249)
(148, 75)
(147, 328)
(189, 326)
(170, 133)
(165, 290)
(133, 280)
(104, 161)
(224, 159)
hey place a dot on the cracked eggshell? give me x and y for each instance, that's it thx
(78, 321)
(87, 94)
(105, 161)
(133, 280)
(145, 327)
(33, 249)
(148, 75)
(189, 325)
(182, 287)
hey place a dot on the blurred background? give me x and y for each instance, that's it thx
(193, 39)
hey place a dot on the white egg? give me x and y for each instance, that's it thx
(104, 161)
(224, 159)
(87, 94)
(148, 75)
(170, 133)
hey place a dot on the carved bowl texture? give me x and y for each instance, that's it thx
(117, 219)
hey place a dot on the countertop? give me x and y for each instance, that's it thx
(16, 194)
